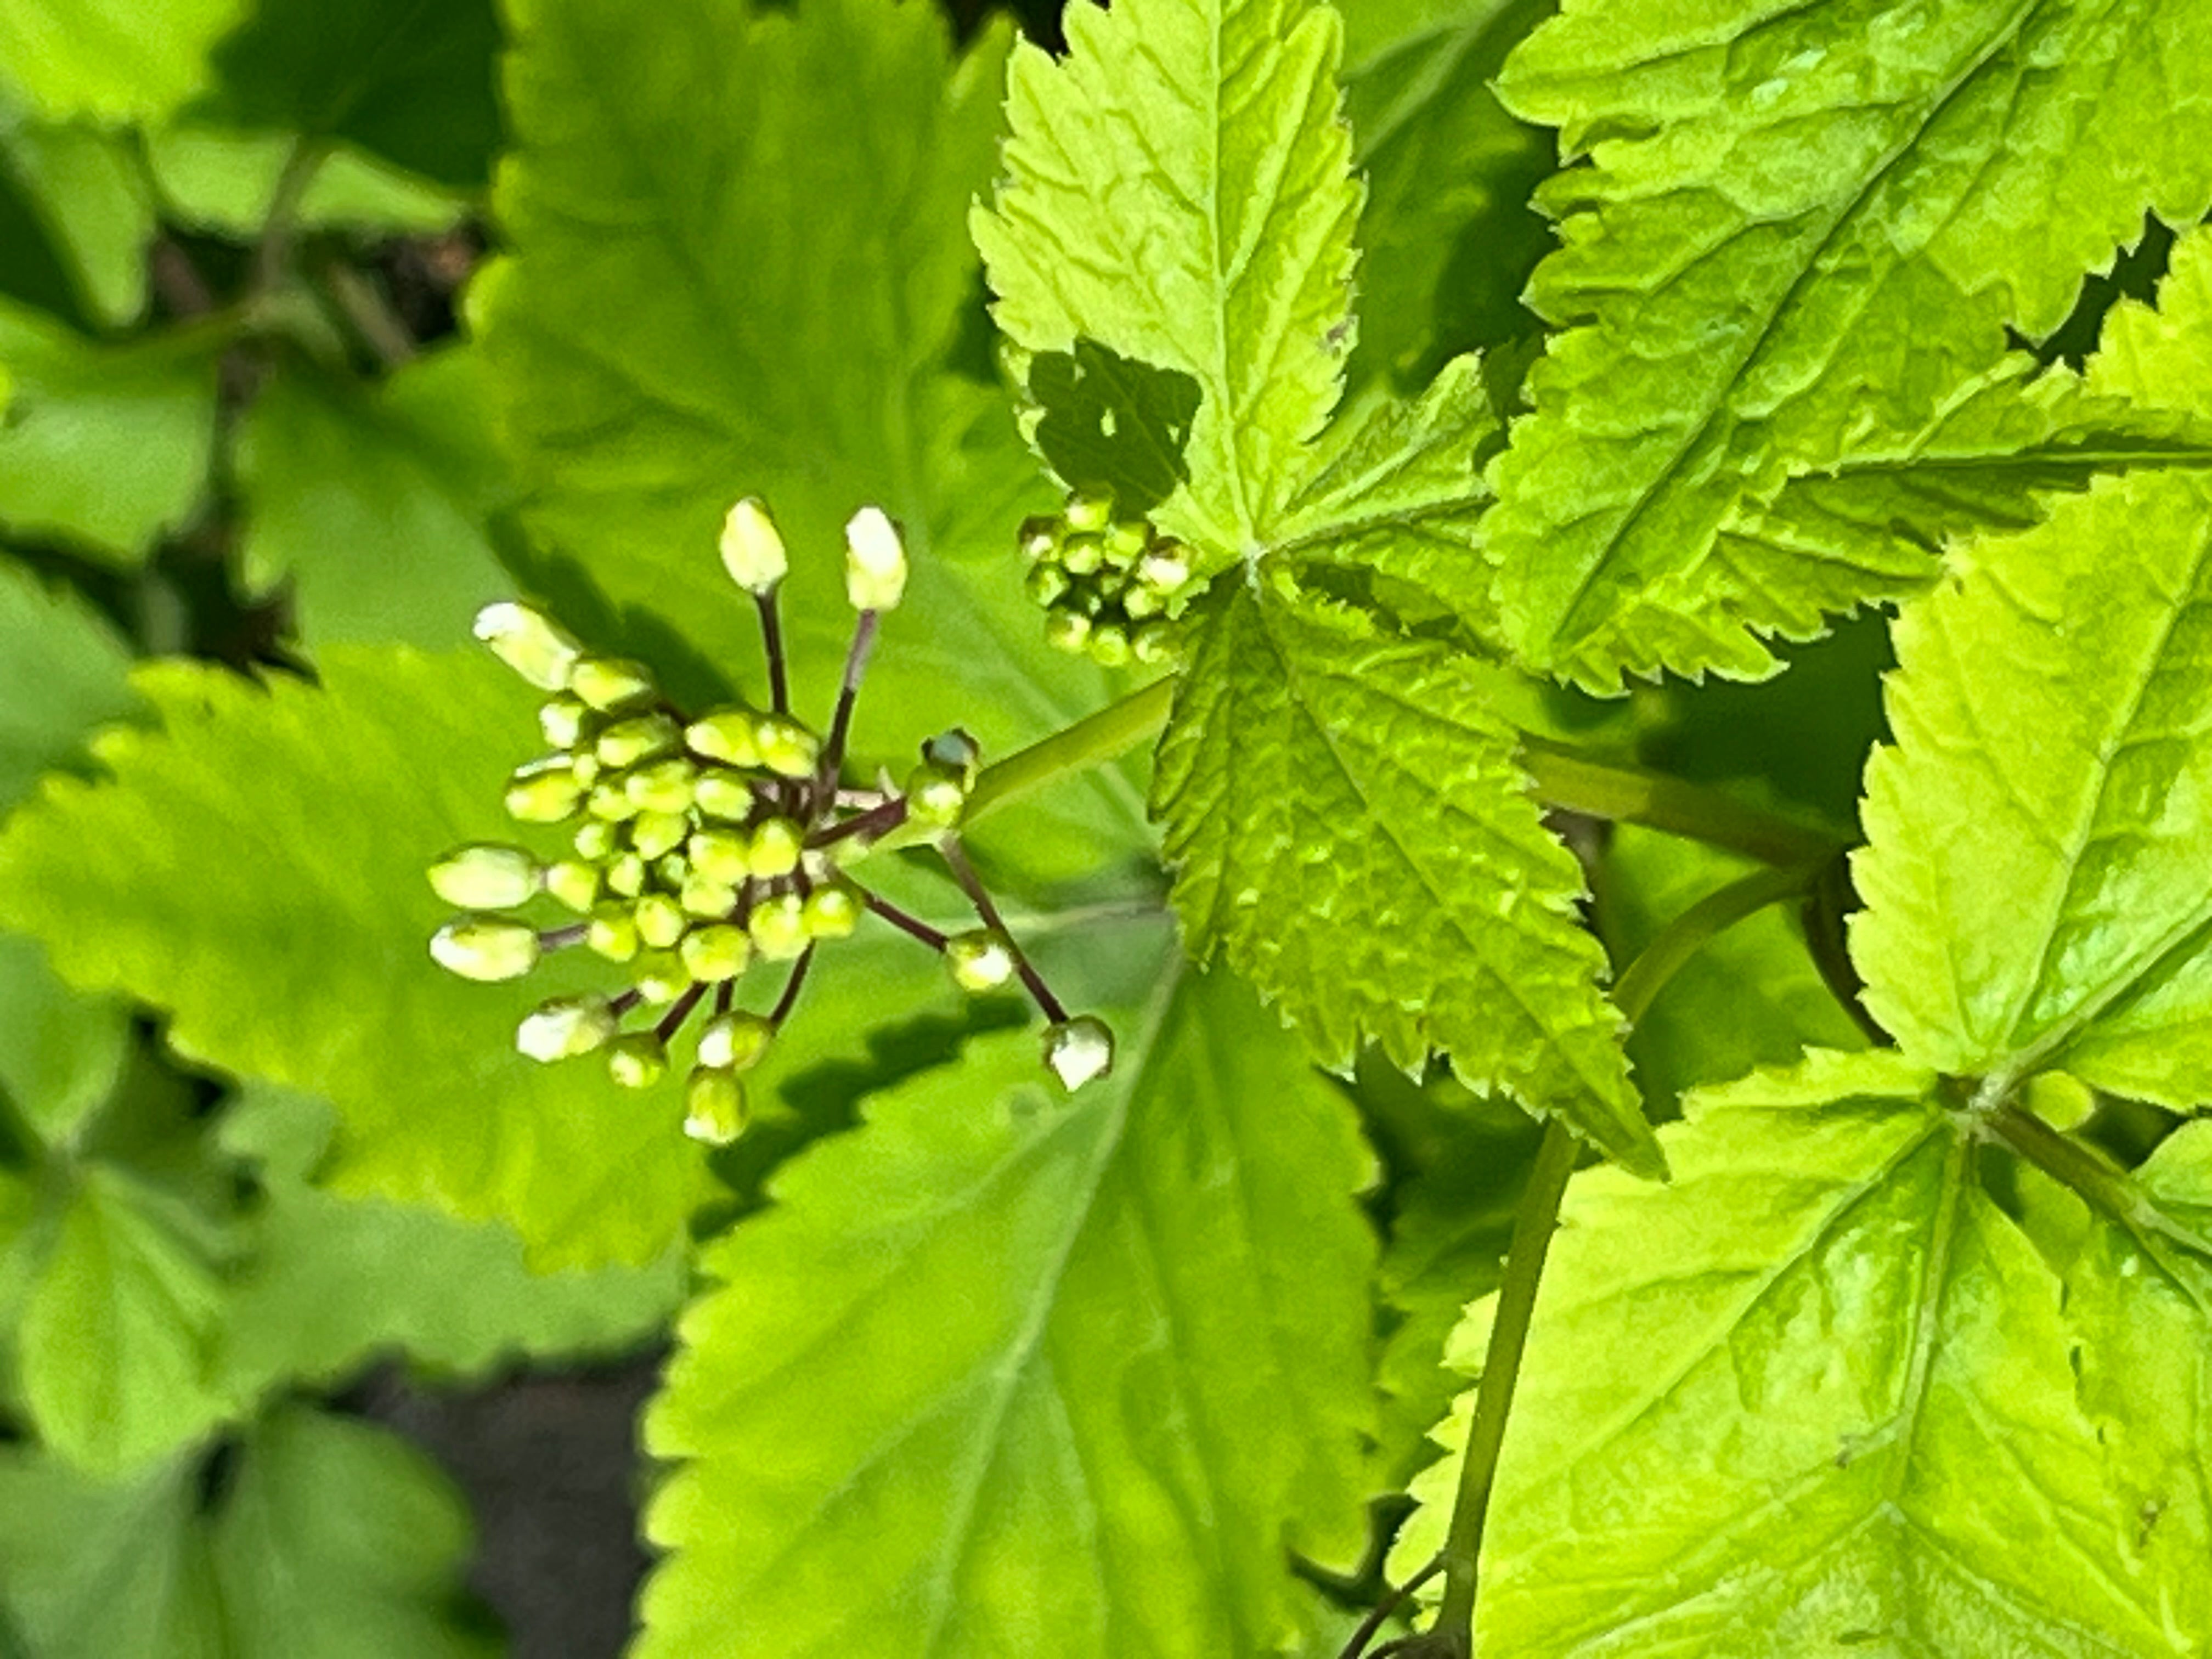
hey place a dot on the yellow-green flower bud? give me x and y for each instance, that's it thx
(609, 799)
(586, 768)
(608, 684)
(831, 912)
(1038, 536)
(1083, 554)
(1079, 1050)
(636, 1060)
(982, 960)
(664, 786)
(725, 854)
(597, 840)
(725, 735)
(775, 849)
(716, 953)
(935, 795)
(1166, 567)
(706, 897)
(1066, 630)
(673, 869)
(574, 884)
(1141, 602)
(656, 834)
(875, 560)
(1154, 644)
(1110, 645)
(956, 751)
(626, 874)
(752, 551)
(660, 921)
(714, 1106)
(659, 977)
(639, 738)
(786, 748)
(565, 1028)
(778, 925)
(1126, 542)
(1090, 513)
(484, 876)
(1046, 580)
(543, 792)
(613, 932)
(723, 795)
(530, 642)
(488, 948)
(734, 1042)
(566, 721)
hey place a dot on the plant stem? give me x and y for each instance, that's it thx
(2105, 1185)
(1534, 1220)
(272, 255)
(1629, 794)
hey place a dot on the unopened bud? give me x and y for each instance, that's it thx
(660, 921)
(1165, 568)
(530, 642)
(775, 849)
(543, 792)
(657, 833)
(484, 876)
(626, 874)
(663, 786)
(725, 735)
(597, 840)
(1090, 513)
(1083, 554)
(956, 751)
(714, 1106)
(659, 977)
(724, 795)
(1038, 536)
(735, 1041)
(628, 742)
(565, 722)
(1047, 581)
(979, 961)
(831, 912)
(705, 897)
(875, 560)
(935, 795)
(1110, 645)
(489, 948)
(574, 884)
(725, 854)
(1079, 1050)
(752, 551)
(1154, 644)
(609, 799)
(636, 1060)
(778, 926)
(608, 684)
(712, 955)
(613, 932)
(564, 1028)
(786, 748)
(1066, 630)
(1126, 542)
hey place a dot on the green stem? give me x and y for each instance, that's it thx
(2104, 1185)
(1629, 794)
(1534, 1221)
(272, 255)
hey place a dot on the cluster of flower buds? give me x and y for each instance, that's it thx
(1112, 588)
(700, 846)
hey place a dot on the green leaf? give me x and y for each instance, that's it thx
(737, 271)
(1797, 233)
(214, 178)
(328, 1540)
(1179, 188)
(409, 80)
(60, 1053)
(1824, 1319)
(62, 673)
(1109, 426)
(85, 187)
(106, 448)
(257, 869)
(1449, 238)
(1351, 828)
(1009, 1372)
(376, 504)
(114, 60)
(331, 1281)
(118, 1324)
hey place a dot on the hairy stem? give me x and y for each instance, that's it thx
(1534, 1222)
(1629, 794)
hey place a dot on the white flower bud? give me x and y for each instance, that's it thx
(530, 642)
(734, 1042)
(484, 876)
(875, 560)
(979, 961)
(752, 551)
(488, 948)
(1079, 1050)
(564, 1028)
(636, 1060)
(714, 1106)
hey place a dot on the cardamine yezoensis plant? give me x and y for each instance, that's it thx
(704, 845)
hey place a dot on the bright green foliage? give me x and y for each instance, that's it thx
(1179, 189)
(62, 673)
(1800, 237)
(257, 870)
(1814, 1397)
(734, 275)
(1352, 829)
(59, 1051)
(105, 447)
(117, 1322)
(327, 1281)
(377, 505)
(329, 1540)
(411, 82)
(1007, 1371)
(215, 178)
(114, 60)
(85, 190)
(2034, 881)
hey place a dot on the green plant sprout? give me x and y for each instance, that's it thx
(704, 845)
